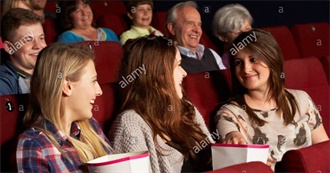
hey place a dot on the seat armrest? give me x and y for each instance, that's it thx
(245, 167)
(314, 158)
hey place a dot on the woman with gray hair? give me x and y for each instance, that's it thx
(228, 22)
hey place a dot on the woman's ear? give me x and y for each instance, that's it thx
(67, 87)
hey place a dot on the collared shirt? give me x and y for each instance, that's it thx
(200, 52)
(12, 81)
(136, 32)
(36, 153)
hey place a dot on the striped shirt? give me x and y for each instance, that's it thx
(36, 153)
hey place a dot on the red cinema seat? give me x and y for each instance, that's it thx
(245, 168)
(207, 90)
(315, 158)
(108, 55)
(206, 41)
(307, 74)
(1, 43)
(285, 40)
(115, 22)
(325, 61)
(104, 7)
(107, 105)
(158, 21)
(50, 30)
(52, 6)
(312, 39)
(12, 111)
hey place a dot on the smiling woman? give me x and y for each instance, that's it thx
(61, 134)
(76, 20)
(262, 110)
(156, 114)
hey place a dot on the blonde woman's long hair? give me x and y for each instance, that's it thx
(55, 64)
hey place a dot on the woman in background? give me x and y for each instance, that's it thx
(76, 20)
(228, 22)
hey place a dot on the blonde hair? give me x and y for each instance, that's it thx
(9, 4)
(55, 64)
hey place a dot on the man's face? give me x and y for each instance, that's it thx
(188, 28)
(24, 46)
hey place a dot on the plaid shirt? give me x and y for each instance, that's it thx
(36, 153)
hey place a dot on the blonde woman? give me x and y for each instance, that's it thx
(62, 135)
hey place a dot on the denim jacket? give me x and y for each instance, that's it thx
(10, 81)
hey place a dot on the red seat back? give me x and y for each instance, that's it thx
(12, 111)
(285, 40)
(207, 90)
(108, 55)
(52, 6)
(325, 61)
(104, 7)
(158, 21)
(115, 22)
(107, 105)
(312, 39)
(50, 30)
(307, 74)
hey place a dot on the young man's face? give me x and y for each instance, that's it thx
(24, 46)
(141, 15)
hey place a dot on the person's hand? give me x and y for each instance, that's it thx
(234, 137)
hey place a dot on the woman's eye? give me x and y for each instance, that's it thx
(238, 63)
(253, 60)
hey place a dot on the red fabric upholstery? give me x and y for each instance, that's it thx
(107, 105)
(103, 7)
(1, 43)
(325, 61)
(108, 55)
(12, 110)
(307, 74)
(312, 39)
(51, 6)
(285, 40)
(158, 21)
(206, 41)
(207, 90)
(245, 168)
(310, 159)
(50, 30)
(115, 22)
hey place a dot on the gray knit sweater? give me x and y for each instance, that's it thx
(130, 133)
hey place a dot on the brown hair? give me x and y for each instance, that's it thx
(153, 95)
(67, 8)
(134, 3)
(268, 51)
(15, 18)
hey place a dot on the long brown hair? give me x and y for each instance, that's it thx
(268, 51)
(153, 96)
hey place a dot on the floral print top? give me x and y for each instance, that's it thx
(275, 133)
